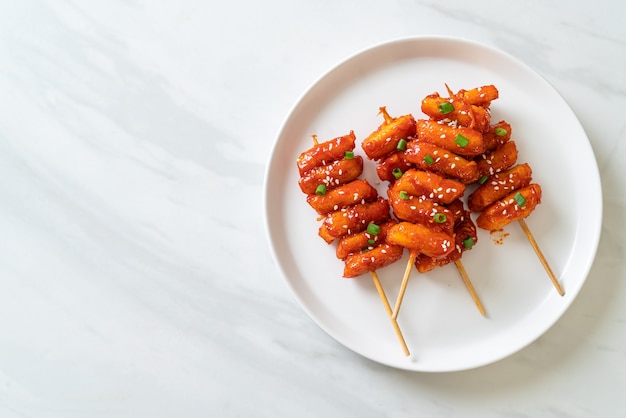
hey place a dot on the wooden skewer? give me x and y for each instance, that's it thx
(470, 287)
(396, 327)
(383, 297)
(543, 260)
(405, 281)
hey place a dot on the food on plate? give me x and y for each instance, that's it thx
(351, 209)
(419, 238)
(389, 136)
(423, 177)
(342, 196)
(498, 186)
(465, 237)
(497, 160)
(324, 152)
(460, 140)
(353, 219)
(440, 160)
(331, 174)
(513, 207)
(429, 164)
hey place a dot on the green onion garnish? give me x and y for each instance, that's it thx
(445, 107)
(521, 201)
(371, 241)
(468, 242)
(373, 229)
(401, 145)
(428, 159)
(461, 141)
(500, 131)
(483, 179)
(321, 190)
(348, 155)
(397, 173)
(440, 218)
(404, 195)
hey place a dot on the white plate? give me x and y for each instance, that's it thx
(441, 325)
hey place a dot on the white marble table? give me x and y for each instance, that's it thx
(135, 275)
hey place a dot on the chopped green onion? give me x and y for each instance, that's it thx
(468, 242)
(500, 131)
(397, 173)
(348, 155)
(521, 201)
(373, 229)
(461, 141)
(440, 218)
(371, 241)
(483, 179)
(445, 107)
(401, 145)
(321, 190)
(428, 159)
(404, 195)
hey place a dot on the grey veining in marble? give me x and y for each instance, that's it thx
(135, 275)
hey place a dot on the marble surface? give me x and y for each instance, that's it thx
(135, 275)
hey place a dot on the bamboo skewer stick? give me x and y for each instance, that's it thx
(394, 323)
(470, 287)
(543, 260)
(383, 297)
(405, 282)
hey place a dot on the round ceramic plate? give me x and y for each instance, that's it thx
(441, 325)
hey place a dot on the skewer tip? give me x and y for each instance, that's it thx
(544, 261)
